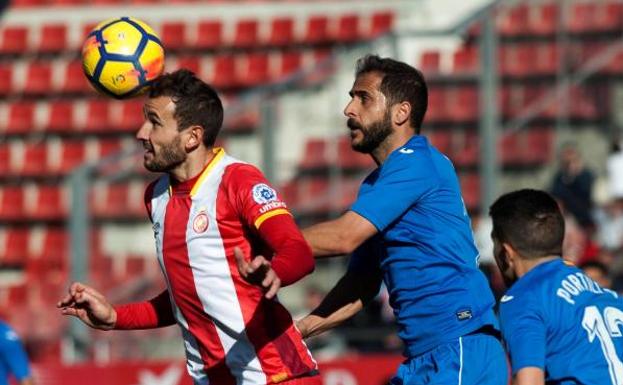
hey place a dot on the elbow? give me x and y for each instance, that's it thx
(308, 262)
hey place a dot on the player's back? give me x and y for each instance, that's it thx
(557, 318)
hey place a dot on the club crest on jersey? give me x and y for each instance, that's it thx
(200, 223)
(262, 193)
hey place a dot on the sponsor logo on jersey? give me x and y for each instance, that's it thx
(405, 150)
(263, 193)
(272, 205)
(506, 298)
(200, 223)
(463, 315)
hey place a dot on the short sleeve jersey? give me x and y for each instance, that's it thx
(13, 358)
(558, 319)
(424, 247)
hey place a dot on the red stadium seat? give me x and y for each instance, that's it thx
(290, 62)
(131, 115)
(540, 146)
(430, 62)
(289, 193)
(467, 148)
(54, 246)
(75, 81)
(441, 140)
(98, 115)
(11, 203)
(520, 59)
(5, 158)
(349, 159)
(35, 159)
(546, 60)
(73, 154)
(464, 105)
(381, 23)
(108, 147)
(174, 34)
(546, 20)
(209, 34)
(60, 117)
(52, 38)
(14, 249)
(315, 155)
(470, 189)
(28, 3)
(611, 17)
(348, 28)
(38, 78)
(281, 31)
(465, 60)
(51, 203)
(224, 73)
(6, 79)
(252, 69)
(21, 117)
(246, 34)
(437, 104)
(514, 20)
(192, 63)
(314, 195)
(14, 40)
(317, 30)
(583, 17)
(510, 149)
(111, 200)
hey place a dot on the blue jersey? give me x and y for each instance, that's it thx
(424, 247)
(13, 359)
(557, 319)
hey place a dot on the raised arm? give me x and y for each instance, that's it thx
(339, 236)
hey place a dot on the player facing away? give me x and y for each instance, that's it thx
(210, 212)
(409, 227)
(13, 357)
(559, 326)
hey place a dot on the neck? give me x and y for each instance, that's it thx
(393, 142)
(194, 164)
(523, 266)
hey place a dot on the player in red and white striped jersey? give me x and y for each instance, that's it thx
(210, 214)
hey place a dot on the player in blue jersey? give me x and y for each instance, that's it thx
(13, 358)
(409, 227)
(559, 326)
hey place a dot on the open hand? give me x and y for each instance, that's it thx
(88, 305)
(258, 272)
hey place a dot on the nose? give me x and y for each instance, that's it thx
(143, 131)
(349, 110)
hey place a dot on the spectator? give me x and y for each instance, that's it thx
(598, 272)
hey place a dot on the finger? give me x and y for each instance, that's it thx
(65, 301)
(269, 277)
(258, 262)
(240, 260)
(274, 288)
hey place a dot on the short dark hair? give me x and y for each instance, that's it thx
(400, 83)
(530, 221)
(595, 265)
(196, 103)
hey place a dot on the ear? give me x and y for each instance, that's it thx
(401, 113)
(195, 138)
(511, 254)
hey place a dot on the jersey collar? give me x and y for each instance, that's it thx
(192, 185)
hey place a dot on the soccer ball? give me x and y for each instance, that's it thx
(121, 56)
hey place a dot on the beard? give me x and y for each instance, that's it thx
(373, 135)
(167, 158)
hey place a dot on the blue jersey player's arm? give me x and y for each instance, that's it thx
(524, 332)
(382, 199)
(14, 356)
(355, 289)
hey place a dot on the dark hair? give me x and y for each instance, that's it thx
(400, 83)
(596, 265)
(196, 103)
(530, 221)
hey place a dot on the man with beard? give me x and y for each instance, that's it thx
(210, 212)
(560, 326)
(409, 227)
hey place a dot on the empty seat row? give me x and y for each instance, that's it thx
(97, 116)
(48, 77)
(320, 153)
(211, 33)
(317, 194)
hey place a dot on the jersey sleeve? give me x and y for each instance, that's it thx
(253, 196)
(400, 183)
(524, 333)
(14, 355)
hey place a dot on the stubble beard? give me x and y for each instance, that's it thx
(169, 157)
(373, 135)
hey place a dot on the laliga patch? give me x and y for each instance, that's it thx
(263, 193)
(200, 223)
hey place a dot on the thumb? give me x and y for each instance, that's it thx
(240, 260)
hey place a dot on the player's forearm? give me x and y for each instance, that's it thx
(314, 324)
(328, 239)
(529, 376)
(151, 314)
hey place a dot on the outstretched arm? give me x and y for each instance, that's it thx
(92, 308)
(529, 376)
(347, 298)
(340, 236)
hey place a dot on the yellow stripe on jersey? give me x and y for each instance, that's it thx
(270, 214)
(219, 154)
(568, 263)
(279, 377)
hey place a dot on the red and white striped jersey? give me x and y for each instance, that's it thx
(232, 333)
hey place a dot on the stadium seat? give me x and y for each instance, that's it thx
(21, 117)
(289, 193)
(514, 20)
(317, 30)
(348, 28)
(465, 60)
(14, 40)
(464, 105)
(510, 149)
(314, 156)
(252, 69)
(108, 147)
(519, 59)
(51, 203)
(11, 203)
(611, 17)
(131, 117)
(546, 60)
(189, 62)
(60, 116)
(174, 34)
(540, 146)
(582, 17)
(38, 78)
(209, 34)
(52, 38)
(110, 200)
(437, 104)
(6, 79)
(470, 189)
(381, 23)
(466, 148)
(441, 140)
(73, 154)
(352, 160)
(281, 31)
(52, 243)
(224, 75)
(74, 80)
(97, 115)
(5, 158)
(290, 62)
(429, 62)
(35, 161)
(246, 34)
(545, 21)
(14, 246)
(314, 195)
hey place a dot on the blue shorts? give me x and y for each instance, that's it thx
(474, 359)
